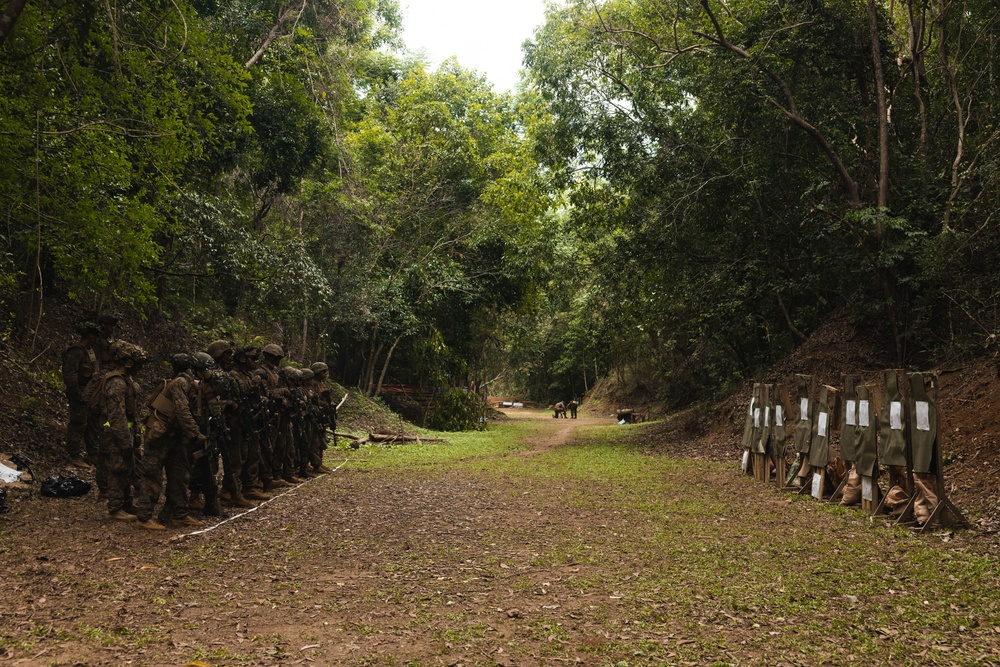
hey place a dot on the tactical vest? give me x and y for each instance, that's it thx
(86, 369)
(161, 403)
(94, 390)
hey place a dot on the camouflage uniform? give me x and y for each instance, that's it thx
(79, 366)
(166, 448)
(118, 405)
(244, 430)
(282, 453)
(318, 397)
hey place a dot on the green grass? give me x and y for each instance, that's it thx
(688, 548)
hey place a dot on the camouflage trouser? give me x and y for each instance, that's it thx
(234, 458)
(163, 452)
(317, 443)
(203, 470)
(119, 459)
(250, 474)
(283, 456)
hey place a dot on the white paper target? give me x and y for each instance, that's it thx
(923, 416)
(864, 414)
(821, 424)
(804, 409)
(851, 417)
(896, 416)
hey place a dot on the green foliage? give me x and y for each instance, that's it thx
(717, 228)
(457, 410)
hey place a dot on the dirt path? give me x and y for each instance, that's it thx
(556, 436)
(559, 554)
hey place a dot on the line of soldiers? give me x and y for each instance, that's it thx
(267, 424)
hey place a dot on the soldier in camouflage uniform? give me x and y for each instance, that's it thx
(283, 458)
(204, 455)
(79, 365)
(309, 428)
(291, 431)
(326, 413)
(116, 394)
(234, 446)
(171, 425)
(252, 415)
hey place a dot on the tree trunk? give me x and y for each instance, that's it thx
(9, 17)
(883, 114)
(385, 364)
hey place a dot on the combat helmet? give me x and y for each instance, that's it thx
(122, 351)
(180, 362)
(318, 367)
(274, 350)
(218, 348)
(87, 328)
(305, 374)
(200, 361)
(288, 373)
(248, 352)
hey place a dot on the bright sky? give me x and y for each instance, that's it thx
(485, 35)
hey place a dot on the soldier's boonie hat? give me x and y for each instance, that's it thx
(124, 351)
(86, 328)
(273, 350)
(202, 362)
(318, 367)
(218, 348)
(305, 374)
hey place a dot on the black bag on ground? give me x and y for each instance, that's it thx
(64, 487)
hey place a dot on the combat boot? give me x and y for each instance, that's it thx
(196, 502)
(150, 524)
(241, 501)
(122, 515)
(276, 483)
(188, 521)
(292, 479)
(255, 494)
(322, 469)
(78, 462)
(226, 494)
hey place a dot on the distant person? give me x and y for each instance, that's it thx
(559, 410)
(79, 366)
(573, 405)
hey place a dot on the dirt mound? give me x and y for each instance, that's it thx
(968, 400)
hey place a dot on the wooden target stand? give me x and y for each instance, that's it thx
(816, 479)
(905, 480)
(944, 513)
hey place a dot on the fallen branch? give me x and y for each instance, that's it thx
(346, 435)
(389, 437)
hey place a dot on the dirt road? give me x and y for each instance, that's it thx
(558, 552)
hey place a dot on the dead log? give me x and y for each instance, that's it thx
(389, 437)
